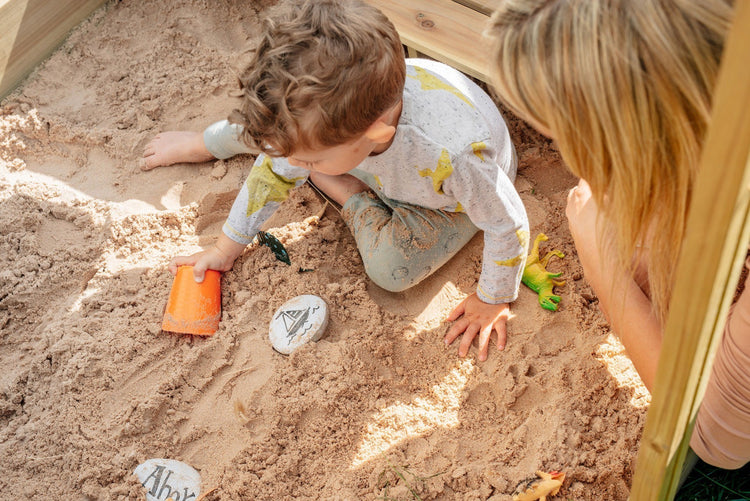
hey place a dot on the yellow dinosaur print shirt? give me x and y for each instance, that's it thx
(452, 151)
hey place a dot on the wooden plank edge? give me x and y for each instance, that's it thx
(425, 26)
(38, 28)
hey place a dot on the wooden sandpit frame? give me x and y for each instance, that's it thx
(718, 225)
(30, 30)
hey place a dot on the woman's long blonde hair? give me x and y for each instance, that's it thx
(624, 87)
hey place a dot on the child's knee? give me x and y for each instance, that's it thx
(395, 276)
(396, 280)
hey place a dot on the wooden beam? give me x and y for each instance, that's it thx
(715, 245)
(443, 30)
(30, 30)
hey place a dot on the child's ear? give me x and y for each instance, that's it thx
(380, 132)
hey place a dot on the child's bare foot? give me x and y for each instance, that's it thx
(338, 188)
(174, 147)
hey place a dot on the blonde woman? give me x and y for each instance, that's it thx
(625, 88)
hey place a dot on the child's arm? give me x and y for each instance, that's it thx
(219, 140)
(267, 185)
(493, 205)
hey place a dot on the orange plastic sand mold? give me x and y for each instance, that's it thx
(193, 308)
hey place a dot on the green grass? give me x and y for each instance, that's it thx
(708, 483)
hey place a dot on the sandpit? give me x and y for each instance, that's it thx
(379, 408)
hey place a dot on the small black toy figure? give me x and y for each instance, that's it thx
(273, 243)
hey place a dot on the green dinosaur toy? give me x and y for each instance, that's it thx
(537, 278)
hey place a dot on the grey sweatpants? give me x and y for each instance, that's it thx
(402, 244)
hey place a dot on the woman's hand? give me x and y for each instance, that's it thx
(583, 213)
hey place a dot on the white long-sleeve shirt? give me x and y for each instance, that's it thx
(451, 151)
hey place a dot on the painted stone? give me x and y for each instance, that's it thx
(298, 321)
(168, 479)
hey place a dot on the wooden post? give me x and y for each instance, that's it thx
(715, 244)
(31, 29)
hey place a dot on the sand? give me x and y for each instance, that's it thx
(379, 408)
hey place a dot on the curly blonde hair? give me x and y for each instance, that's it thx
(624, 87)
(322, 72)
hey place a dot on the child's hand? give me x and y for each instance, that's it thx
(209, 259)
(478, 318)
(220, 257)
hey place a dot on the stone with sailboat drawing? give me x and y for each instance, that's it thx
(298, 321)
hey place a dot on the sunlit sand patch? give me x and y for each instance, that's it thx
(87, 293)
(402, 421)
(171, 199)
(434, 312)
(613, 354)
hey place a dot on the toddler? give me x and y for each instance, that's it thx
(417, 155)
